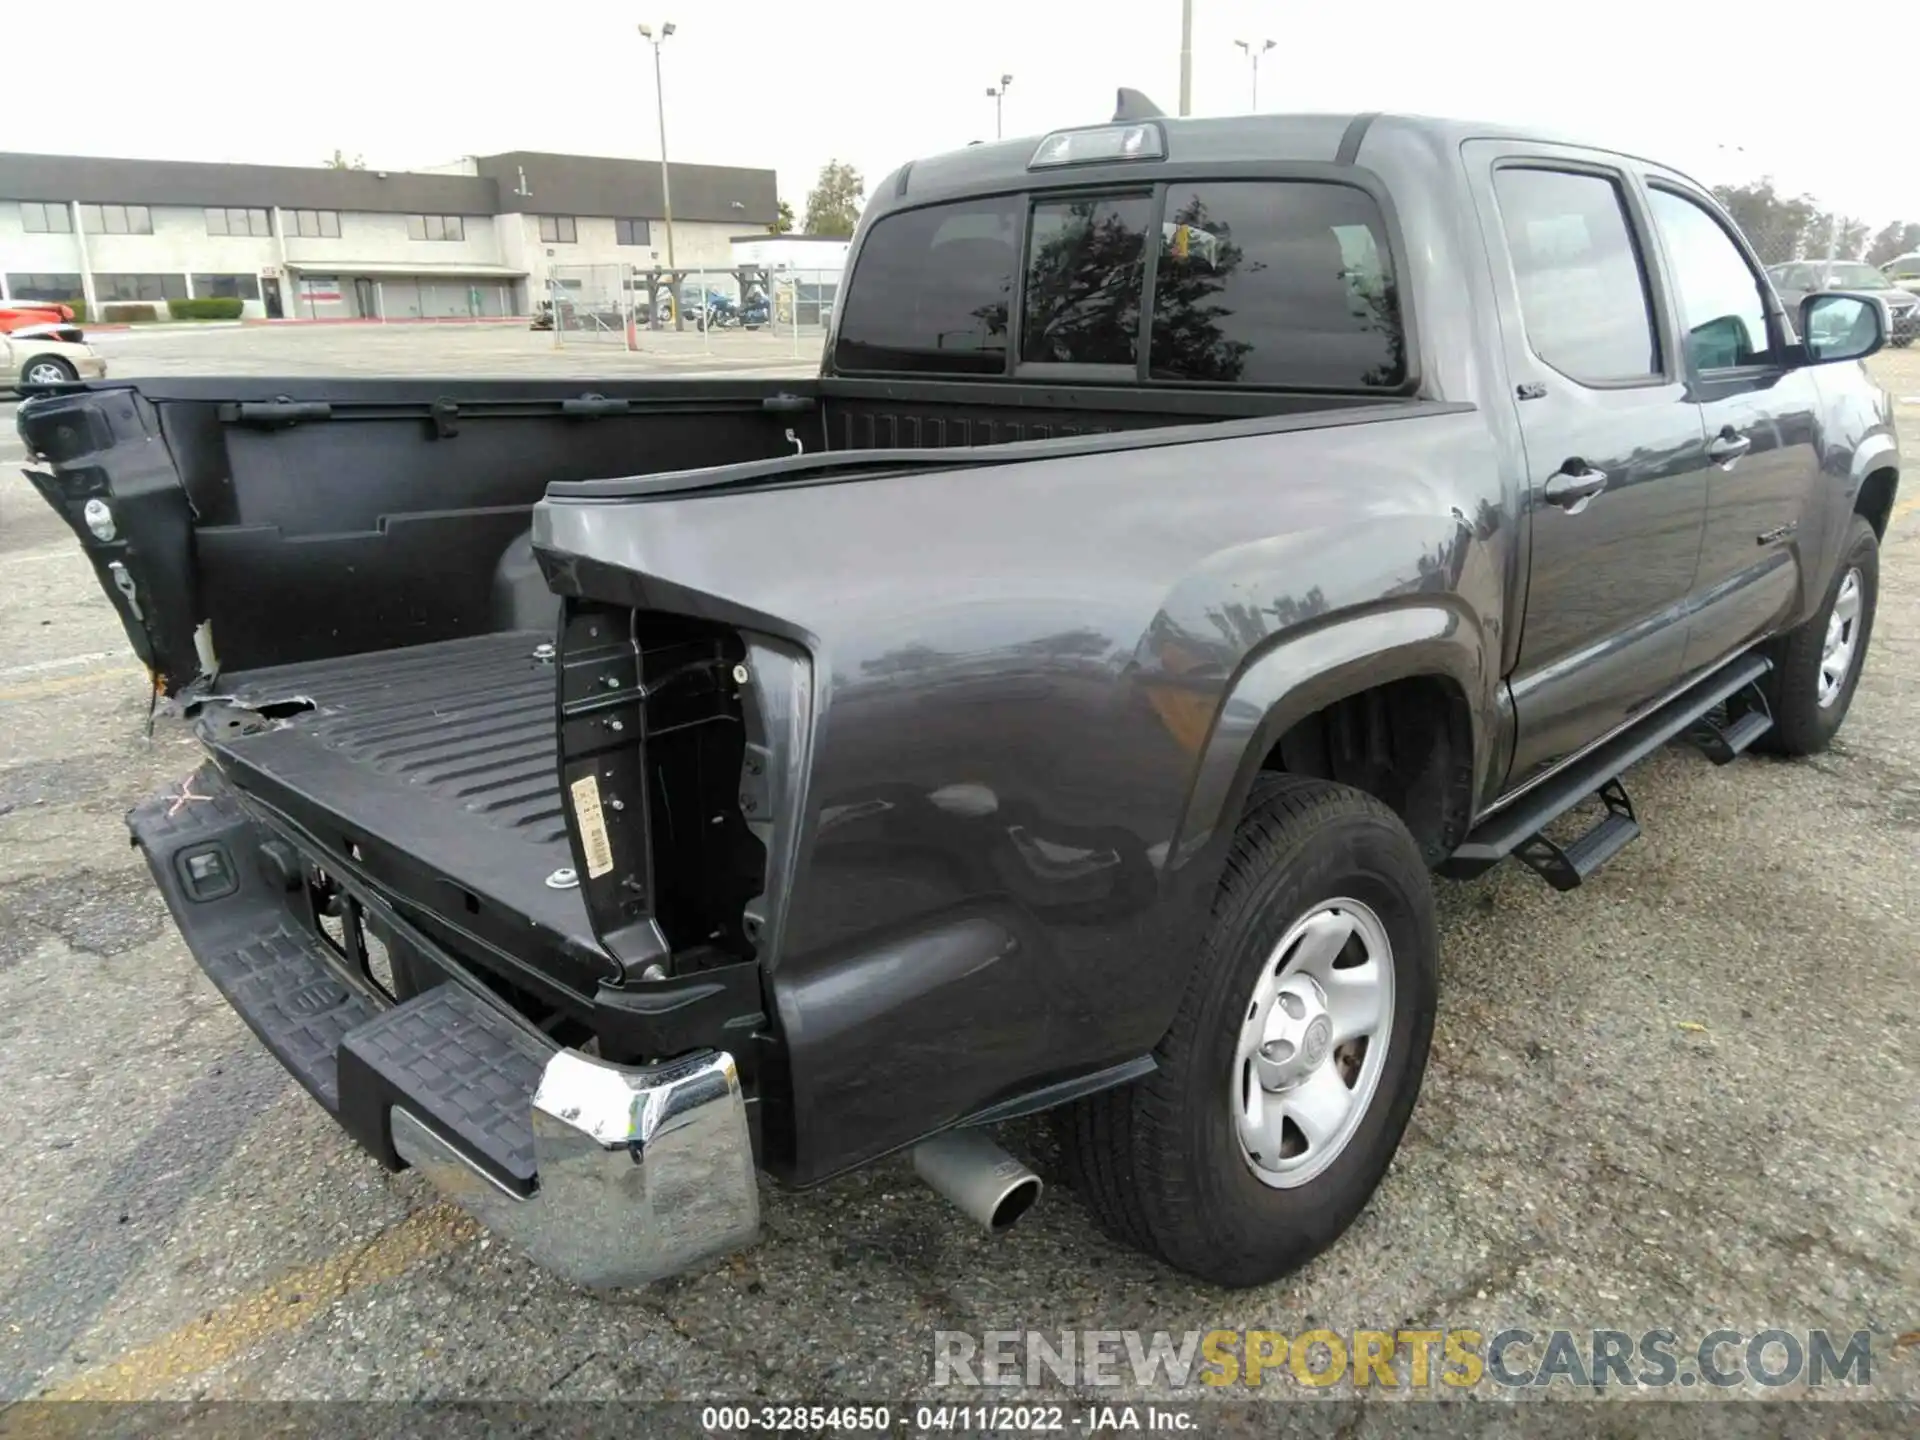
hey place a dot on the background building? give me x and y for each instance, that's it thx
(475, 238)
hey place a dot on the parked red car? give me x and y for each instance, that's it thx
(17, 313)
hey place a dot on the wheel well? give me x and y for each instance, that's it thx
(1876, 499)
(1407, 743)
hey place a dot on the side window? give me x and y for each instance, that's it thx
(1275, 283)
(1086, 263)
(1583, 294)
(931, 288)
(1720, 297)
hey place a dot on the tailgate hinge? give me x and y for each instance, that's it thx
(446, 418)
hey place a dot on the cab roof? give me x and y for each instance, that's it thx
(1301, 138)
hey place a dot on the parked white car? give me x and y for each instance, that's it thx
(48, 355)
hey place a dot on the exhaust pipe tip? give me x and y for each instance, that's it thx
(977, 1177)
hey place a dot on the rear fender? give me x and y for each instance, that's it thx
(1305, 671)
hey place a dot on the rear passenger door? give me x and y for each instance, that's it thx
(1615, 454)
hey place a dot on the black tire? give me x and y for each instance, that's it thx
(1801, 724)
(48, 362)
(1159, 1162)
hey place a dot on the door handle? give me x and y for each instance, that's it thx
(1728, 446)
(1573, 485)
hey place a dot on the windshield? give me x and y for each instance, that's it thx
(1854, 276)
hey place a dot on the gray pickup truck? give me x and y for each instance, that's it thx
(1199, 533)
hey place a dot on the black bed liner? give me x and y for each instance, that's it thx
(435, 763)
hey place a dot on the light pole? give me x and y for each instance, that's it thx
(1254, 55)
(997, 94)
(666, 184)
(1186, 57)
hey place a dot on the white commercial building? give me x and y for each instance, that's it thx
(485, 236)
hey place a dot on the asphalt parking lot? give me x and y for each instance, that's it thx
(1682, 1097)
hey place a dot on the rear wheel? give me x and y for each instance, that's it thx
(1295, 1057)
(1817, 666)
(47, 370)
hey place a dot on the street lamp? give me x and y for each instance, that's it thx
(1254, 55)
(998, 93)
(666, 184)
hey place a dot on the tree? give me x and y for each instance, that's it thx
(1780, 228)
(1902, 237)
(782, 220)
(1783, 229)
(833, 205)
(341, 162)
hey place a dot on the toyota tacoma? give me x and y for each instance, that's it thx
(1199, 534)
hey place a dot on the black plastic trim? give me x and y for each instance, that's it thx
(1060, 1092)
(1352, 138)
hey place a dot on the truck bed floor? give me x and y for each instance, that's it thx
(439, 755)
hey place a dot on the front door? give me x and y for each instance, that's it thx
(365, 298)
(1761, 418)
(1615, 453)
(270, 298)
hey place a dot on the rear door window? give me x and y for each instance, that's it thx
(1086, 263)
(931, 290)
(1284, 283)
(1583, 293)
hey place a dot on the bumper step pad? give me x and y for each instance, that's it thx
(202, 849)
(458, 1065)
(282, 986)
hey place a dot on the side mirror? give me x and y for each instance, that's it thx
(1837, 326)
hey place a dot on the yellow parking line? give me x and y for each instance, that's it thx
(54, 685)
(287, 1304)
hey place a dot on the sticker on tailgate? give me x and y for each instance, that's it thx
(593, 825)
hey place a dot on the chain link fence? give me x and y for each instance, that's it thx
(746, 313)
(1800, 229)
(1809, 246)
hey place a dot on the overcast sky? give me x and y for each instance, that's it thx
(1708, 85)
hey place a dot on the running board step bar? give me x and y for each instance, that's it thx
(1567, 867)
(1722, 737)
(1523, 819)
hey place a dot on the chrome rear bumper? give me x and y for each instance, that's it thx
(608, 1174)
(642, 1172)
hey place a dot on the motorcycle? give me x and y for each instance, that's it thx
(717, 312)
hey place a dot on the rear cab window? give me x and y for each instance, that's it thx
(932, 290)
(1283, 284)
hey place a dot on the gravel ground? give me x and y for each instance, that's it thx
(1681, 1097)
